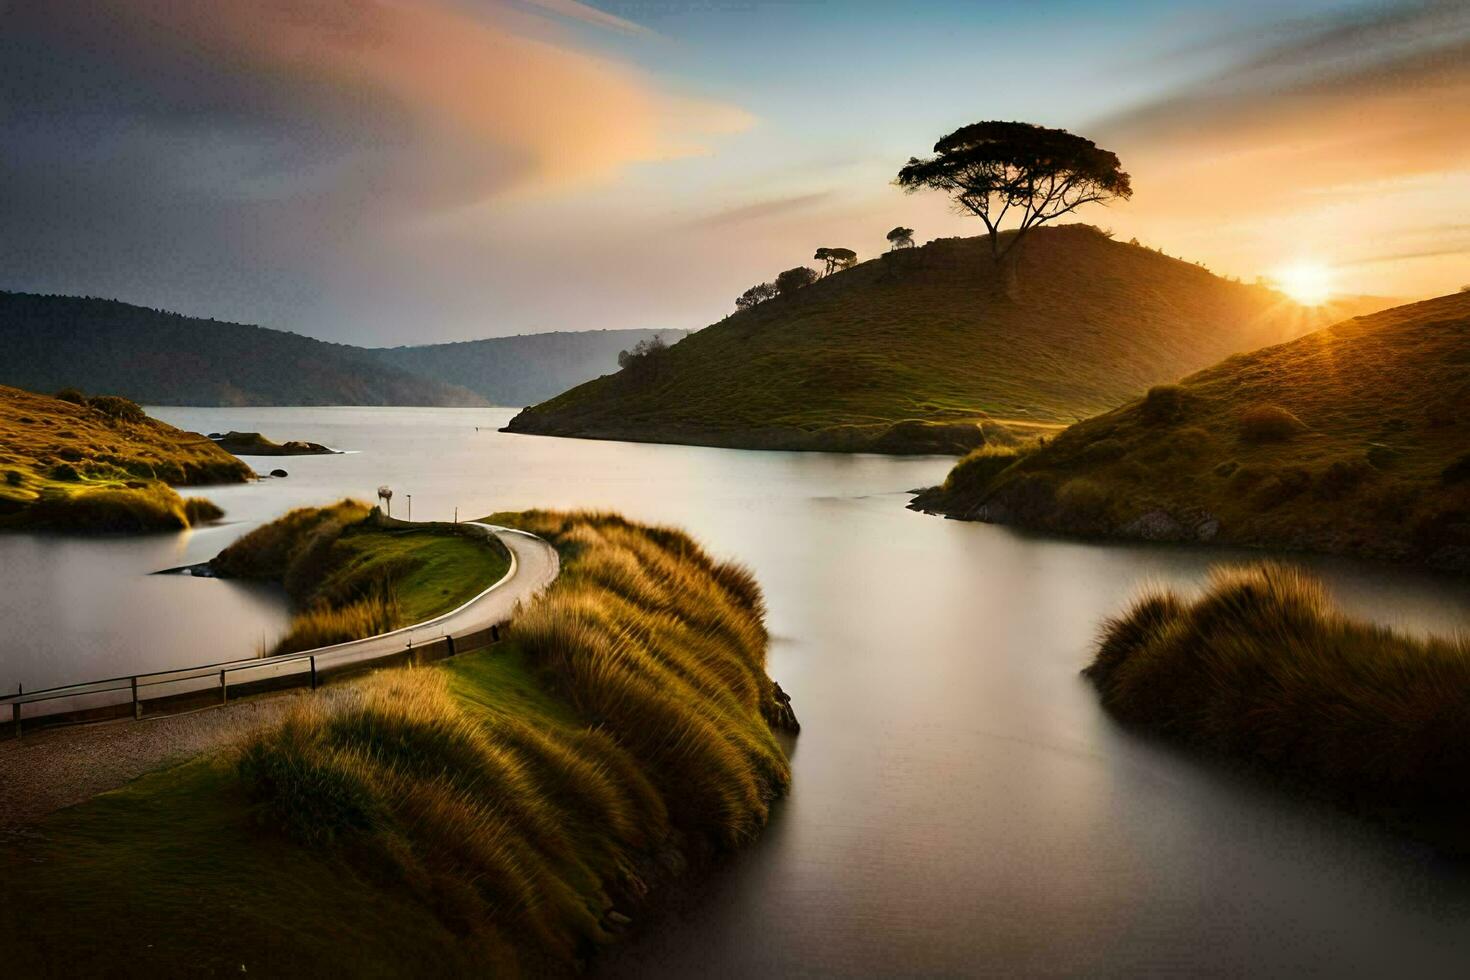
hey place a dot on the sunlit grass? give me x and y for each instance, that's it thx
(500, 813)
(350, 576)
(101, 465)
(1351, 439)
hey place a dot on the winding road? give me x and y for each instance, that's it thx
(55, 768)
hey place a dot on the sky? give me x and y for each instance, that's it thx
(411, 171)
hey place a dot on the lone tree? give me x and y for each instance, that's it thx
(756, 295)
(993, 168)
(791, 280)
(901, 237)
(836, 258)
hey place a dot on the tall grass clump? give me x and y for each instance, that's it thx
(664, 649)
(1263, 666)
(484, 818)
(112, 509)
(975, 471)
(269, 551)
(1268, 423)
(380, 611)
(528, 794)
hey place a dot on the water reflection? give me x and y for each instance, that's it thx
(961, 805)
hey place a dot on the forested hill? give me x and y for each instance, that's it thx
(160, 358)
(915, 352)
(523, 369)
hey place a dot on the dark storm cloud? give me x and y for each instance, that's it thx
(228, 156)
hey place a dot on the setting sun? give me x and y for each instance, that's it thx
(1309, 283)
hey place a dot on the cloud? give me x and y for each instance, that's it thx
(1331, 136)
(573, 10)
(236, 156)
(760, 210)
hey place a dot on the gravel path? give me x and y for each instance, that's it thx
(50, 770)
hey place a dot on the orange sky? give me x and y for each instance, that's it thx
(393, 171)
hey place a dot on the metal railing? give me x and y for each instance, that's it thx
(185, 688)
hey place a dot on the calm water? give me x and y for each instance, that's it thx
(961, 806)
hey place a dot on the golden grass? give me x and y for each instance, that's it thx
(322, 625)
(525, 837)
(1351, 440)
(101, 465)
(351, 575)
(1263, 666)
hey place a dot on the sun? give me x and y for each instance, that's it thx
(1309, 283)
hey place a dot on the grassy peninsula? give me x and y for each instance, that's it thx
(100, 464)
(352, 573)
(504, 812)
(1354, 439)
(1263, 667)
(913, 352)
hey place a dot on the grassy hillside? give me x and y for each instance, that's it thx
(907, 352)
(524, 369)
(350, 573)
(1354, 439)
(163, 358)
(101, 464)
(502, 813)
(1264, 668)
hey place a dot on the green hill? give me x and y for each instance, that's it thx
(523, 369)
(908, 352)
(100, 464)
(1354, 439)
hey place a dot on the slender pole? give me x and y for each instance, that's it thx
(313, 673)
(224, 694)
(137, 705)
(15, 708)
(409, 516)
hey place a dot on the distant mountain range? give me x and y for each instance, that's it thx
(914, 352)
(161, 358)
(524, 369)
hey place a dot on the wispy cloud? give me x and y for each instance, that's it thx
(760, 210)
(1332, 135)
(573, 10)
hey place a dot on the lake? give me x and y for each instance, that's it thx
(961, 805)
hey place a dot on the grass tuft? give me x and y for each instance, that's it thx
(1268, 423)
(1263, 666)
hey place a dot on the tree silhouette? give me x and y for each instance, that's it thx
(644, 355)
(756, 295)
(791, 280)
(836, 258)
(991, 169)
(901, 237)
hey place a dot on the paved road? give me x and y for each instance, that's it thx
(535, 567)
(60, 767)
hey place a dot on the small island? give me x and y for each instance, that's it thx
(255, 444)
